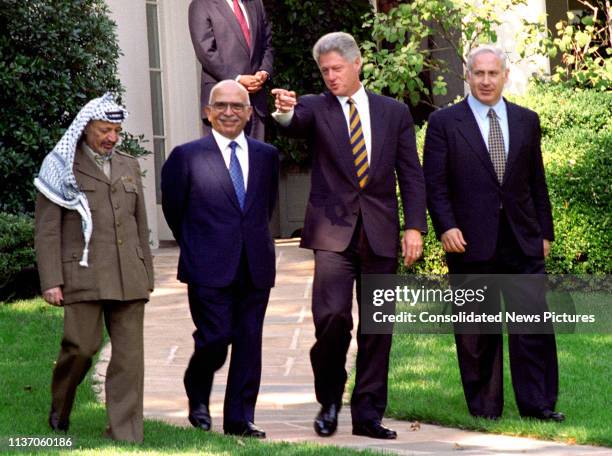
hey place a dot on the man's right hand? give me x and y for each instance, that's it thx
(54, 296)
(284, 100)
(252, 83)
(452, 241)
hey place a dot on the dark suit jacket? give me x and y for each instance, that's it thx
(120, 262)
(335, 197)
(462, 188)
(201, 208)
(222, 49)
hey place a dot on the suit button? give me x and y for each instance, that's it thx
(118, 223)
(113, 189)
(120, 242)
(116, 205)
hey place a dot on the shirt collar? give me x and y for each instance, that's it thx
(99, 159)
(224, 142)
(360, 98)
(482, 110)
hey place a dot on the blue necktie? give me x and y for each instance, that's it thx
(236, 175)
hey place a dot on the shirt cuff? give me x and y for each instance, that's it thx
(283, 118)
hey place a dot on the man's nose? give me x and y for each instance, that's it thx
(113, 136)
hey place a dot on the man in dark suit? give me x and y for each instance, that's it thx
(488, 200)
(217, 196)
(233, 40)
(359, 142)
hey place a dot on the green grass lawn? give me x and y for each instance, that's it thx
(424, 385)
(30, 334)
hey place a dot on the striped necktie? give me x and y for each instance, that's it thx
(497, 151)
(360, 154)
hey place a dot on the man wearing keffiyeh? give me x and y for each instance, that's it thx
(93, 255)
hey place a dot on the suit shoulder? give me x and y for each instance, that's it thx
(522, 110)
(446, 112)
(126, 155)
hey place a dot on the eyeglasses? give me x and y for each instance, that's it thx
(221, 106)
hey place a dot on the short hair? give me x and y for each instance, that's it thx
(483, 49)
(340, 42)
(225, 82)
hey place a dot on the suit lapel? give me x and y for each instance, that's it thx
(230, 17)
(515, 127)
(255, 172)
(339, 131)
(119, 168)
(468, 128)
(214, 159)
(378, 129)
(86, 165)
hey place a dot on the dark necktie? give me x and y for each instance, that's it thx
(360, 154)
(497, 150)
(243, 23)
(236, 175)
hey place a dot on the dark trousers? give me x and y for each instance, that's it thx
(125, 373)
(222, 316)
(533, 357)
(335, 275)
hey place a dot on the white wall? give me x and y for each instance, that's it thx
(130, 17)
(521, 71)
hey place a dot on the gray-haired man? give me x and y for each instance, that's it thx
(359, 143)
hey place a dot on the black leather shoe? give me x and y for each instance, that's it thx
(199, 417)
(374, 429)
(326, 421)
(550, 415)
(56, 423)
(247, 429)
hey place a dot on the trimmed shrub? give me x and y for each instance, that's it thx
(55, 55)
(16, 255)
(577, 153)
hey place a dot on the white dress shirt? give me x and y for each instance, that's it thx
(362, 105)
(481, 113)
(242, 152)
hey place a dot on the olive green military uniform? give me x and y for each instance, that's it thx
(111, 290)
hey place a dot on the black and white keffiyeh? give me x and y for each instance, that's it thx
(56, 177)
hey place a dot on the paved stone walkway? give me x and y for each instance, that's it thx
(286, 404)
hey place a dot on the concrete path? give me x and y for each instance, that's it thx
(286, 404)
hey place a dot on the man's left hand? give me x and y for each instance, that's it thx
(412, 246)
(546, 245)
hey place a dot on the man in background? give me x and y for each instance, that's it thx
(232, 39)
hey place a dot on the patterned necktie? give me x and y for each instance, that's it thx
(360, 154)
(497, 150)
(243, 23)
(236, 175)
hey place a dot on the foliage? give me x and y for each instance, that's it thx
(296, 26)
(584, 43)
(395, 58)
(577, 152)
(55, 55)
(16, 250)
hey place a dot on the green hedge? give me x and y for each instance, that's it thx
(55, 55)
(577, 152)
(17, 257)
